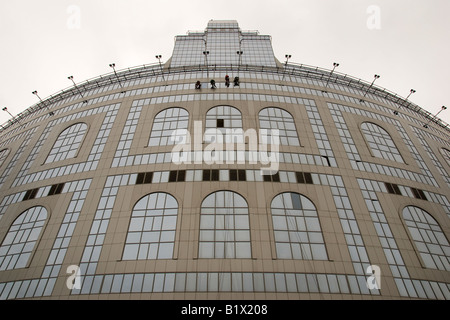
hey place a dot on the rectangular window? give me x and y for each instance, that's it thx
(272, 178)
(238, 175)
(206, 175)
(181, 175)
(327, 159)
(211, 175)
(308, 178)
(33, 193)
(242, 176)
(27, 195)
(140, 178)
(419, 194)
(52, 190)
(148, 177)
(144, 177)
(393, 188)
(276, 177)
(220, 123)
(173, 176)
(396, 189)
(422, 195)
(59, 188)
(56, 189)
(389, 188)
(214, 175)
(30, 194)
(300, 177)
(233, 175)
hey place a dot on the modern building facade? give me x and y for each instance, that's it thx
(288, 182)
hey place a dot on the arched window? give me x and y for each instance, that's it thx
(296, 228)
(224, 226)
(429, 238)
(276, 118)
(227, 121)
(446, 154)
(165, 124)
(380, 142)
(151, 234)
(3, 155)
(20, 240)
(67, 144)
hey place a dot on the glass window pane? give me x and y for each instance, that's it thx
(67, 143)
(169, 127)
(282, 122)
(20, 239)
(151, 234)
(296, 225)
(222, 220)
(380, 142)
(428, 237)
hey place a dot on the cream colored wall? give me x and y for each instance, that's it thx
(258, 195)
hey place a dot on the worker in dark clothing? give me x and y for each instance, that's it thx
(213, 84)
(236, 81)
(227, 81)
(198, 85)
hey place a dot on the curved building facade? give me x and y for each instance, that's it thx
(288, 182)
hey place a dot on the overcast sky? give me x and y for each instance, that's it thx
(406, 42)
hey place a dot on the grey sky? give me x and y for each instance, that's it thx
(43, 42)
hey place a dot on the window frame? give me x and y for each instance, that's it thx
(424, 256)
(378, 152)
(212, 217)
(15, 229)
(280, 123)
(160, 122)
(308, 218)
(67, 154)
(147, 219)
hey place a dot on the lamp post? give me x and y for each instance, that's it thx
(113, 66)
(6, 109)
(239, 53)
(71, 79)
(36, 94)
(160, 65)
(335, 65)
(442, 109)
(206, 53)
(410, 93)
(375, 78)
(287, 56)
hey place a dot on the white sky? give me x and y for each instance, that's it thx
(43, 42)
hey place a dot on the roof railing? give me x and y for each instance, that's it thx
(154, 69)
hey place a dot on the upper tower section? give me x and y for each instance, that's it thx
(223, 43)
